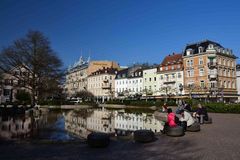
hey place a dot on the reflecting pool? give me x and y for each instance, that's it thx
(76, 124)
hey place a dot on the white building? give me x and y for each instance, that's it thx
(171, 76)
(121, 83)
(129, 83)
(151, 82)
(135, 82)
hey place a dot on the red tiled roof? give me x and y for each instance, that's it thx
(172, 59)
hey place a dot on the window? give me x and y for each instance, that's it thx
(191, 62)
(179, 66)
(201, 72)
(190, 73)
(166, 76)
(188, 63)
(210, 46)
(219, 60)
(202, 84)
(189, 52)
(161, 77)
(200, 49)
(150, 79)
(213, 84)
(173, 75)
(155, 79)
(200, 61)
(172, 67)
(166, 68)
(179, 75)
(6, 92)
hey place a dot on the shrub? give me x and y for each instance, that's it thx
(23, 97)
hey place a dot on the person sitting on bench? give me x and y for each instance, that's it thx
(186, 119)
(201, 114)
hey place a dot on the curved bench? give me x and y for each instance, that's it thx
(175, 131)
(209, 121)
(195, 127)
(144, 136)
(98, 139)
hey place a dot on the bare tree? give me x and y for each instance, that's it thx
(34, 55)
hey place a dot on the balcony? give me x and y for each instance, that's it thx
(212, 65)
(169, 81)
(212, 77)
(105, 81)
(106, 86)
(212, 55)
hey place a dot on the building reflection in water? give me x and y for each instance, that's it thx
(22, 126)
(118, 122)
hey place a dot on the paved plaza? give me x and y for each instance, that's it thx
(219, 141)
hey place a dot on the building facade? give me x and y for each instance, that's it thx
(13, 82)
(238, 80)
(135, 83)
(210, 71)
(171, 77)
(76, 77)
(77, 74)
(151, 84)
(129, 82)
(96, 65)
(102, 83)
(121, 83)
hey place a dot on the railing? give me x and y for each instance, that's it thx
(106, 86)
(212, 64)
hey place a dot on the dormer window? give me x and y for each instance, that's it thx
(210, 46)
(200, 49)
(189, 52)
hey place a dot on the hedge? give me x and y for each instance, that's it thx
(142, 103)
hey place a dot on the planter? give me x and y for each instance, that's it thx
(98, 139)
(144, 136)
(175, 131)
(195, 127)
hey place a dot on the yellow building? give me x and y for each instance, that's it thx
(210, 71)
(102, 83)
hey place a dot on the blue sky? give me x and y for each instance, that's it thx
(126, 31)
